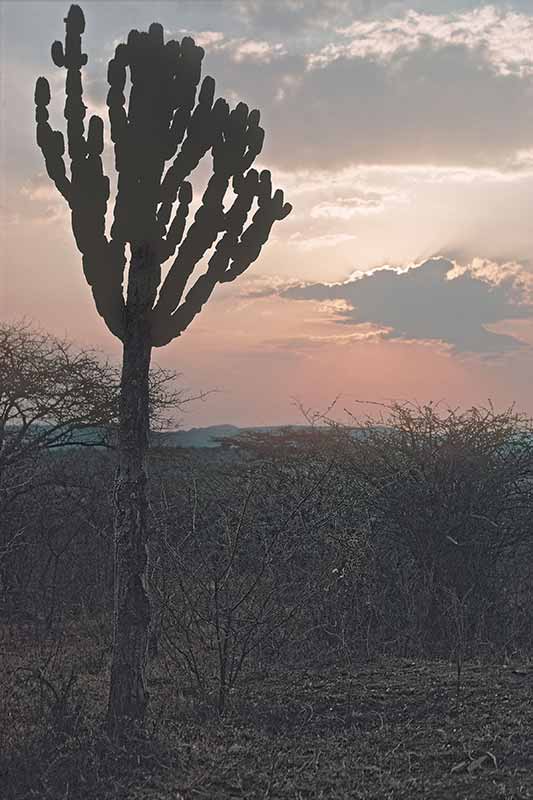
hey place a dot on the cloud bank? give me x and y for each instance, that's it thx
(435, 301)
(502, 37)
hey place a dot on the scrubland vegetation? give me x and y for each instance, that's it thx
(326, 612)
(338, 611)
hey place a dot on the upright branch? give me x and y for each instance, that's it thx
(159, 140)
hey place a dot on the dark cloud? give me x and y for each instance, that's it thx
(440, 105)
(437, 105)
(424, 304)
(293, 14)
(443, 106)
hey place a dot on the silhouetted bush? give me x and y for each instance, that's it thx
(407, 536)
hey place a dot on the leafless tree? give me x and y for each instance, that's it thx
(54, 398)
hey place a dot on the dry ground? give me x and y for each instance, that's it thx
(387, 729)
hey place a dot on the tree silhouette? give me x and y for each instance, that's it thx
(164, 122)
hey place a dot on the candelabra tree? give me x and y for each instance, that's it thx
(159, 139)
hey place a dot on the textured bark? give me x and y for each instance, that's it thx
(131, 619)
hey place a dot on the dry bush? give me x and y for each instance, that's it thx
(229, 572)
(427, 513)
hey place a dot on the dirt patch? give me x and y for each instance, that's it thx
(392, 729)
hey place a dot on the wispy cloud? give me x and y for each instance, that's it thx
(208, 38)
(327, 240)
(253, 50)
(360, 203)
(505, 37)
(301, 344)
(239, 49)
(36, 201)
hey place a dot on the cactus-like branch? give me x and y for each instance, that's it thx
(50, 141)
(231, 135)
(87, 191)
(164, 122)
(271, 208)
(240, 251)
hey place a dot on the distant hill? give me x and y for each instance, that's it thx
(207, 437)
(195, 437)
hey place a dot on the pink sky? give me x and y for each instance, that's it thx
(404, 140)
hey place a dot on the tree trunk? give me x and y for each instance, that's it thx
(131, 615)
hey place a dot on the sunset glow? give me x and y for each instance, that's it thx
(402, 134)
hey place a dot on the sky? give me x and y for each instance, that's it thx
(402, 134)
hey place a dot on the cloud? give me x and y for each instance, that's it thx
(380, 29)
(295, 16)
(300, 345)
(35, 201)
(417, 88)
(239, 49)
(435, 301)
(503, 37)
(253, 50)
(328, 240)
(444, 106)
(208, 38)
(360, 203)
(455, 212)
